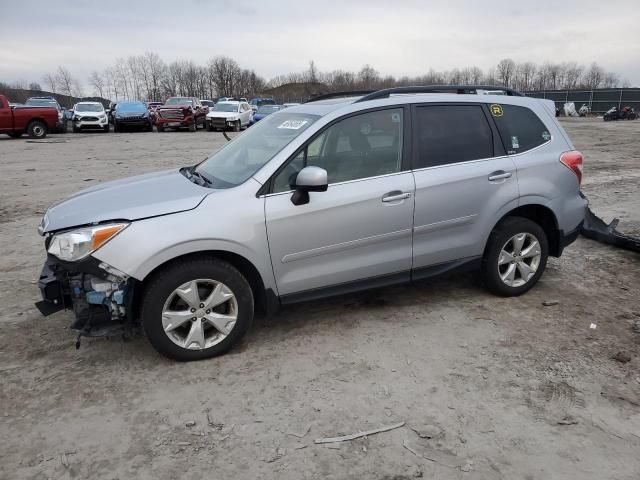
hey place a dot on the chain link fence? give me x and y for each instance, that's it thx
(598, 100)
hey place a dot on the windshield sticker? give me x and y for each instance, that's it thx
(365, 128)
(546, 136)
(514, 142)
(293, 124)
(395, 117)
(496, 110)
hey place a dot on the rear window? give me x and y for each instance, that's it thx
(447, 134)
(519, 127)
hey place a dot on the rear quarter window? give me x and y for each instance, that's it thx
(519, 127)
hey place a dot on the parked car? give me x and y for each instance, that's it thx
(154, 105)
(34, 121)
(13, 104)
(290, 104)
(89, 116)
(330, 197)
(232, 115)
(255, 103)
(181, 112)
(208, 103)
(264, 111)
(132, 115)
(61, 124)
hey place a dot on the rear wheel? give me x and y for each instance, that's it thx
(37, 129)
(515, 256)
(197, 309)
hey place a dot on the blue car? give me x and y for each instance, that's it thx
(264, 111)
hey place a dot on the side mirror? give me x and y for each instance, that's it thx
(309, 179)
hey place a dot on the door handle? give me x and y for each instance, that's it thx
(499, 175)
(395, 196)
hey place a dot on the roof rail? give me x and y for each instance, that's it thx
(459, 89)
(327, 96)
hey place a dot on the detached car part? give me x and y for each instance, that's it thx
(596, 229)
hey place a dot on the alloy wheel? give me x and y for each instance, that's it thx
(519, 259)
(199, 314)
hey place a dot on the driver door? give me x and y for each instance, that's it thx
(357, 234)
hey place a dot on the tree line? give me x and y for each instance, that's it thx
(148, 77)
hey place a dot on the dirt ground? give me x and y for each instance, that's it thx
(505, 388)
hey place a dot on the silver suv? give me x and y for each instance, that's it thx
(329, 197)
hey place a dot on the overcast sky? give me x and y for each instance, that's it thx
(273, 37)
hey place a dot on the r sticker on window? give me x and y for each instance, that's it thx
(496, 110)
(293, 124)
(395, 117)
(546, 136)
(514, 142)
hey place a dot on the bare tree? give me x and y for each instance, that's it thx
(594, 76)
(65, 81)
(97, 82)
(35, 86)
(505, 71)
(50, 81)
(610, 80)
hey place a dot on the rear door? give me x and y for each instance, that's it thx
(6, 117)
(464, 182)
(358, 232)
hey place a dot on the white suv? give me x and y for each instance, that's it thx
(230, 114)
(89, 115)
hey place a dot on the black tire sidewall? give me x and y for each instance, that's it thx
(167, 280)
(506, 229)
(35, 124)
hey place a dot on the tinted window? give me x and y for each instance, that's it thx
(519, 127)
(450, 134)
(361, 146)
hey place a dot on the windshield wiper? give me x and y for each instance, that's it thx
(195, 177)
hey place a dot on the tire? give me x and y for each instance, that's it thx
(159, 297)
(150, 127)
(209, 127)
(193, 127)
(502, 238)
(236, 126)
(160, 128)
(105, 129)
(37, 129)
(15, 134)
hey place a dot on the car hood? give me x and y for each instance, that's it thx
(222, 114)
(89, 114)
(132, 198)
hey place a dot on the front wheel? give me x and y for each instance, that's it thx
(160, 128)
(196, 309)
(105, 129)
(236, 126)
(37, 129)
(193, 127)
(515, 256)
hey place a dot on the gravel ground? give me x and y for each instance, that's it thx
(504, 388)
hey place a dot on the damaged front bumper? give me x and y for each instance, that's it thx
(99, 295)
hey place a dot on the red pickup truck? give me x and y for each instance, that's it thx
(181, 112)
(34, 121)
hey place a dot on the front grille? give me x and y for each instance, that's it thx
(172, 114)
(89, 119)
(134, 118)
(218, 122)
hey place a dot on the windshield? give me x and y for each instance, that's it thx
(88, 108)
(134, 107)
(179, 101)
(225, 107)
(249, 152)
(267, 109)
(208, 103)
(42, 103)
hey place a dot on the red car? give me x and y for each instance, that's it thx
(34, 121)
(181, 112)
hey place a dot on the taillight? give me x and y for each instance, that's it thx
(573, 161)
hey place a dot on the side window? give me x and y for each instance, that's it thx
(446, 134)
(519, 127)
(361, 146)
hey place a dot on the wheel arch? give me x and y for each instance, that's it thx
(544, 217)
(265, 299)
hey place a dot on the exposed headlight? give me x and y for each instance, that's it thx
(77, 244)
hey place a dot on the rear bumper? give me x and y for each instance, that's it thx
(568, 238)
